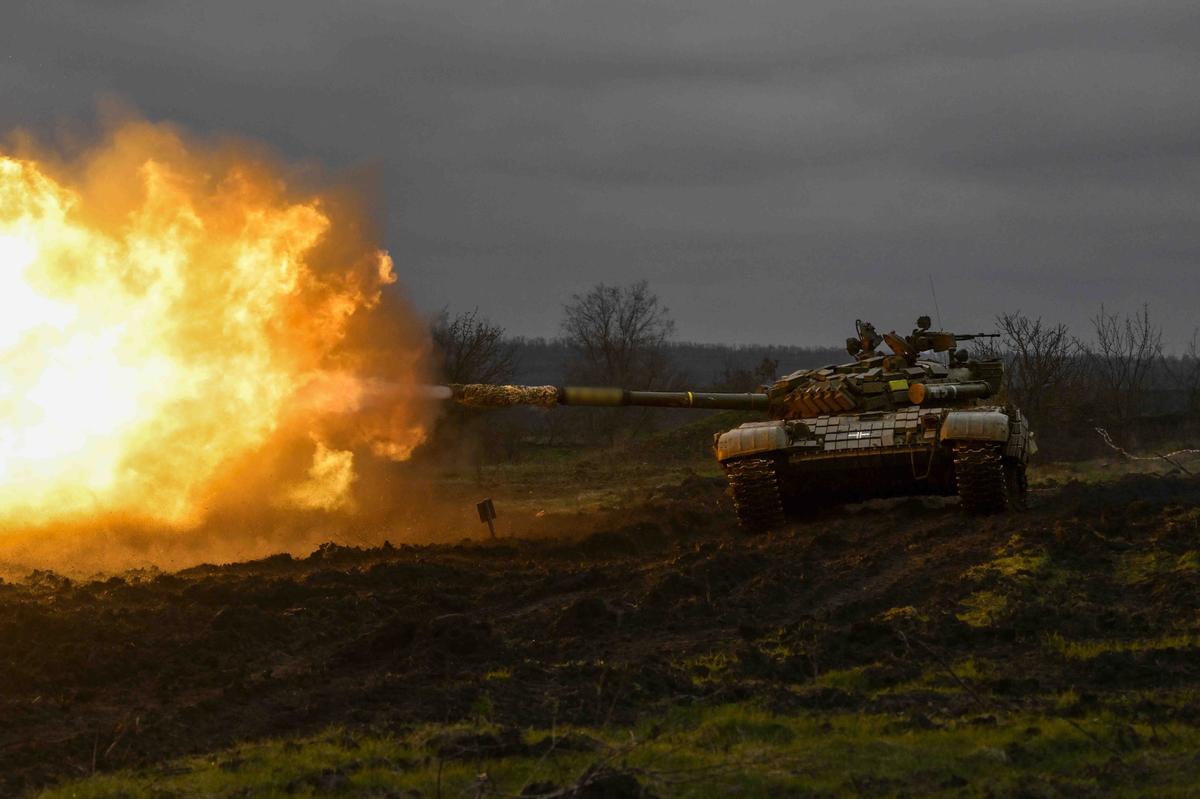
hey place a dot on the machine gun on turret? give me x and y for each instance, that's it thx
(922, 339)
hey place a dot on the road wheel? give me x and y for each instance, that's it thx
(757, 500)
(983, 485)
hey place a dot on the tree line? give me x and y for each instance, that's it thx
(1115, 376)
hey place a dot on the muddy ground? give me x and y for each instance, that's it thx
(1090, 600)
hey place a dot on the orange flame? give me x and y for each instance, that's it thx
(168, 310)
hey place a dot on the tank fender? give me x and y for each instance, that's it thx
(751, 438)
(975, 426)
(1021, 441)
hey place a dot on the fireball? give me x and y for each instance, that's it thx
(166, 311)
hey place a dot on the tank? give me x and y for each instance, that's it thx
(922, 418)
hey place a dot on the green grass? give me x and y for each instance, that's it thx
(708, 667)
(730, 750)
(1091, 648)
(1142, 567)
(983, 608)
(905, 613)
(1014, 560)
(855, 680)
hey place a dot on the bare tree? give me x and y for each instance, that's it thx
(1192, 372)
(1126, 352)
(472, 349)
(1043, 364)
(617, 335)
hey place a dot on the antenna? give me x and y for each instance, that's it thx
(936, 309)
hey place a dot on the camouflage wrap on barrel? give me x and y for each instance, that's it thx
(481, 395)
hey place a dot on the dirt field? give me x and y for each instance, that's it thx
(1083, 614)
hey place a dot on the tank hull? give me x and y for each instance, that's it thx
(848, 458)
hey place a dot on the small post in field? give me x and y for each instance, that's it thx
(487, 512)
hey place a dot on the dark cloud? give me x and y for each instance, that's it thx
(776, 169)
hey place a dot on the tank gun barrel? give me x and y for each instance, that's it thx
(579, 395)
(922, 393)
(481, 395)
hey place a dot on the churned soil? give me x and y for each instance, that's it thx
(1089, 599)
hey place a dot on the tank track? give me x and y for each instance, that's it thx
(1018, 484)
(757, 500)
(983, 485)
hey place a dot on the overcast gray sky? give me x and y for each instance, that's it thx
(774, 169)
